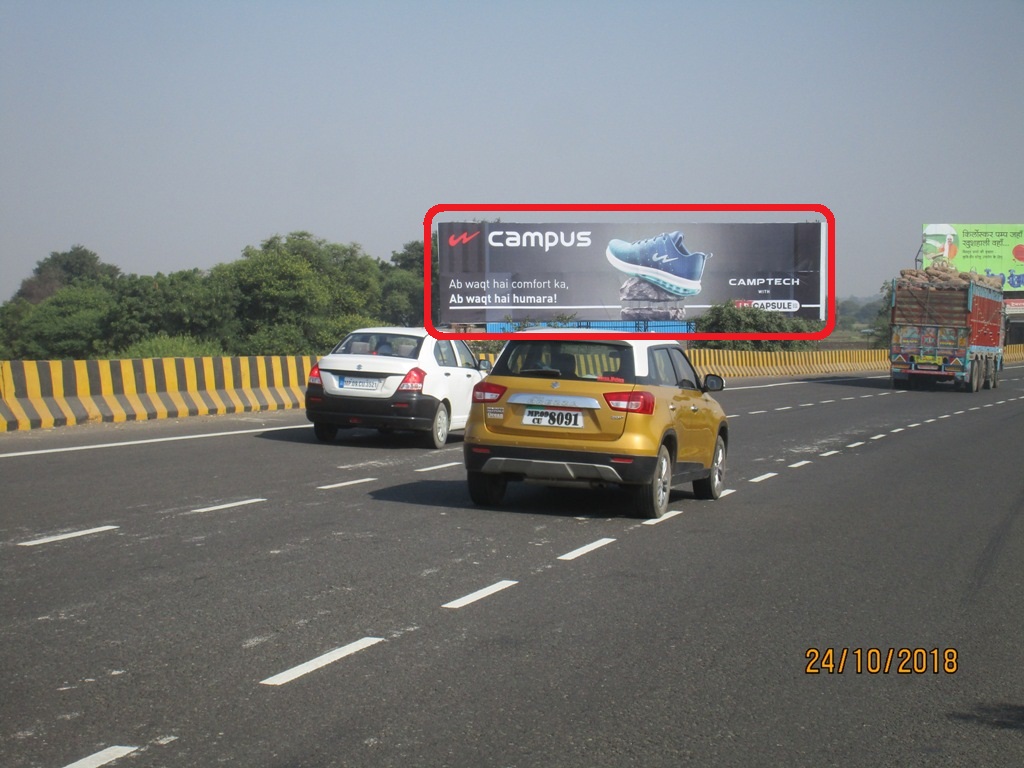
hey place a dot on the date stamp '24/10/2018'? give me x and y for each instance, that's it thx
(884, 661)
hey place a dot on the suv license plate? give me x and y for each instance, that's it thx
(350, 382)
(553, 417)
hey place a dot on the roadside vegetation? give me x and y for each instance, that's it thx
(292, 295)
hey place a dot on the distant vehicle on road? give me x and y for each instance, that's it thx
(946, 326)
(393, 378)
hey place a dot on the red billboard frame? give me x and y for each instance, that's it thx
(830, 318)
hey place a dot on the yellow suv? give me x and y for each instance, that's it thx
(584, 411)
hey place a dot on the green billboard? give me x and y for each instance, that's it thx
(988, 249)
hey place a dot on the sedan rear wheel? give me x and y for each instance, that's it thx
(325, 432)
(651, 499)
(439, 427)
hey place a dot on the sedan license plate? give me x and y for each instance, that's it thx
(352, 382)
(553, 417)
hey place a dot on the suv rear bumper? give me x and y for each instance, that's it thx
(557, 466)
(404, 410)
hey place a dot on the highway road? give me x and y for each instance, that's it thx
(228, 591)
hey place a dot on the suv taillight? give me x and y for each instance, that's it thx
(413, 381)
(314, 375)
(632, 402)
(485, 392)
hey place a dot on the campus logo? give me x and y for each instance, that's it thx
(546, 239)
(464, 238)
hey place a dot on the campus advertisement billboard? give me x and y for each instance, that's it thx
(987, 249)
(631, 274)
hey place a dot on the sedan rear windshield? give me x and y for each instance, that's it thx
(393, 344)
(567, 359)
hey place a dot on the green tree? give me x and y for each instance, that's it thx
(13, 315)
(403, 286)
(402, 302)
(69, 324)
(280, 298)
(78, 266)
(882, 336)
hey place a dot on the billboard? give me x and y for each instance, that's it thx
(656, 274)
(995, 250)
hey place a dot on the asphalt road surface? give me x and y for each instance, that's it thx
(228, 591)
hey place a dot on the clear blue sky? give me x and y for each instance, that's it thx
(170, 135)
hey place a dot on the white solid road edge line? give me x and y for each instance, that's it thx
(63, 536)
(150, 441)
(108, 755)
(480, 594)
(583, 550)
(321, 661)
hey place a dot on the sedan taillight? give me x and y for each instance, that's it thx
(314, 375)
(638, 401)
(413, 381)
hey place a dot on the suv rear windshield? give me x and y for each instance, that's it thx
(379, 344)
(567, 359)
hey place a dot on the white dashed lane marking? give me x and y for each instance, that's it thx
(321, 661)
(229, 505)
(108, 755)
(765, 476)
(668, 515)
(584, 550)
(472, 597)
(347, 482)
(63, 536)
(439, 466)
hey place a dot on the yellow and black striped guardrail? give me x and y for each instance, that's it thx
(50, 393)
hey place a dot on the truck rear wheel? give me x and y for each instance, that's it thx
(989, 373)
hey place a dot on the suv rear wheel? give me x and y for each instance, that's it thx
(486, 490)
(710, 487)
(651, 499)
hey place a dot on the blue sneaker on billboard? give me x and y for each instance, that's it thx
(662, 261)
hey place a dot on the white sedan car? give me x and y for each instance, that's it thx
(393, 378)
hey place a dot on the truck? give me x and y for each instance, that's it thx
(946, 326)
